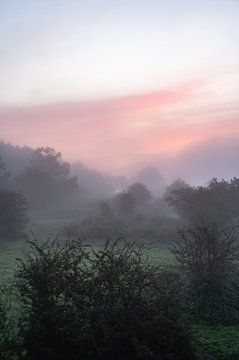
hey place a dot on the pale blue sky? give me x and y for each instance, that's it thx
(71, 50)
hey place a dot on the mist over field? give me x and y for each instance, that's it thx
(119, 180)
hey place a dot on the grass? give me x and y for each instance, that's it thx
(220, 341)
(8, 254)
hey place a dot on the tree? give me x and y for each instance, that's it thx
(216, 202)
(49, 161)
(176, 185)
(104, 304)
(46, 181)
(207, 253)
(139, 193)
(4, 176)
(13, 219)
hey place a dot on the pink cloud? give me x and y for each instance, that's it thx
(114, 132)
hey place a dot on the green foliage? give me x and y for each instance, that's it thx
(13, 219)
(98, 304)
(221, 342)
(10, 339)
(207, 255)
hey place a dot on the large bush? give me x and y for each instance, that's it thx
(207, 254)
(104, 304)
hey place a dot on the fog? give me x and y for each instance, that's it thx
(197, 164)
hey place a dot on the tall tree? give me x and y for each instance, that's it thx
(46, 180)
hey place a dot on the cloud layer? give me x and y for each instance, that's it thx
(120, 133)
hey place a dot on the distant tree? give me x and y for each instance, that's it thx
(46, 180)
(13, 218)
(139, 193)
(207, 254)
(103, 304)
(176, 185)
(48, 161)
(5, 176)
(216, 202)
(183, 202)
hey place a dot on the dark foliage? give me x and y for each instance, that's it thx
(207, 255)
(105, 304)
(10, 337)
(140, 193)
(13, 218)
(216, 202)
(5, 176)
(46, 180)
(170, 193)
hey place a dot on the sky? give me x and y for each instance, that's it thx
(120, 84)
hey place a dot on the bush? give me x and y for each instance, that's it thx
(106, 304)
(13, 219)
(207, 254)
(10, 340)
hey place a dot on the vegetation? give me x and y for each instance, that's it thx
(116, 301)
(216, 202)
(13, 219)
(207, 255)
(4, 176)
(46, 180)
(103, 304)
